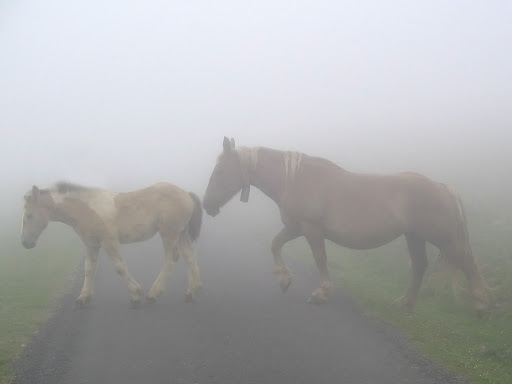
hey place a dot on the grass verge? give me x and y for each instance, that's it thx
(30, 281)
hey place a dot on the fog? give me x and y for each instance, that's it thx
(124, 94)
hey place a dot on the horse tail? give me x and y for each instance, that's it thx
(194, 225)
(462, 226)
(464, 258)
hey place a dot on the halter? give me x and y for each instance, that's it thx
(246, 163)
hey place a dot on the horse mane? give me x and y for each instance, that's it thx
(292, 160)
(248, 156)
(60, 188)
(249, 159)
(63, 187)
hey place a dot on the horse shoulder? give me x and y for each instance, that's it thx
(103, 204)
(88, 220)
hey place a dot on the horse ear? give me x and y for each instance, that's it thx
(35, 192)
(232, 143)
(226, 144)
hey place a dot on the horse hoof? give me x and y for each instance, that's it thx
(81, 302)
(315, 300)
(402, 304)
(484, 313)
(150, 299)
(284, 285)
(189, 298)
(135, 303)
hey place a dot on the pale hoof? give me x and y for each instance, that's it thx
(321, 295)
(484, 310)
(482, 306)
(284, 277)
(403, 304)
(135, 302)
(285, 284)
(316, 299)
(193, 294)
(189, 297)
(82, 301)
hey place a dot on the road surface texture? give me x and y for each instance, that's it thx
(241, 330)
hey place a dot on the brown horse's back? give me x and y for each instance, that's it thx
(152, 209)
(364, 211)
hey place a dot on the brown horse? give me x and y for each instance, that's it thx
(319, 200)
(105, 219)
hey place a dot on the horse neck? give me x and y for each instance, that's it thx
(64, 210)
(55, 212)
(269, 173)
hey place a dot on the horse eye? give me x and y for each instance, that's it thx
(29, 216)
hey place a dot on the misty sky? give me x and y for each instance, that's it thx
(116, 93)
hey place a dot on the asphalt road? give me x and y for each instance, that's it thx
(241, 330)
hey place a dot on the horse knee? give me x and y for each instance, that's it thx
(275, 247)
(119, 267)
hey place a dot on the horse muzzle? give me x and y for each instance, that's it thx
(28, 244)
(212, 211)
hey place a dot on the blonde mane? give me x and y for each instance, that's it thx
(249, 160)
(292, 162)
(248, 157)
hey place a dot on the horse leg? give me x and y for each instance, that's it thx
(282, 272)
(317, 244)
(119, 264)
(194, 278)
(91, 259)
(419, 263)
(169, 240)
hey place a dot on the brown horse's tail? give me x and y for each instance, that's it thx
(194, 225)
(465, 259)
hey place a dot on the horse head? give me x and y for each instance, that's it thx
(35, 217)
(228, 177)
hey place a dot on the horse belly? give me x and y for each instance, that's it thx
(139, 231)
(361, 233)
(362, 240)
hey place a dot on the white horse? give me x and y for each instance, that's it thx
(106, 219)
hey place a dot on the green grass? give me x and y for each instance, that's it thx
(30, 281)
(443, 325)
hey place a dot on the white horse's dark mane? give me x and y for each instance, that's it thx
(64, 187)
